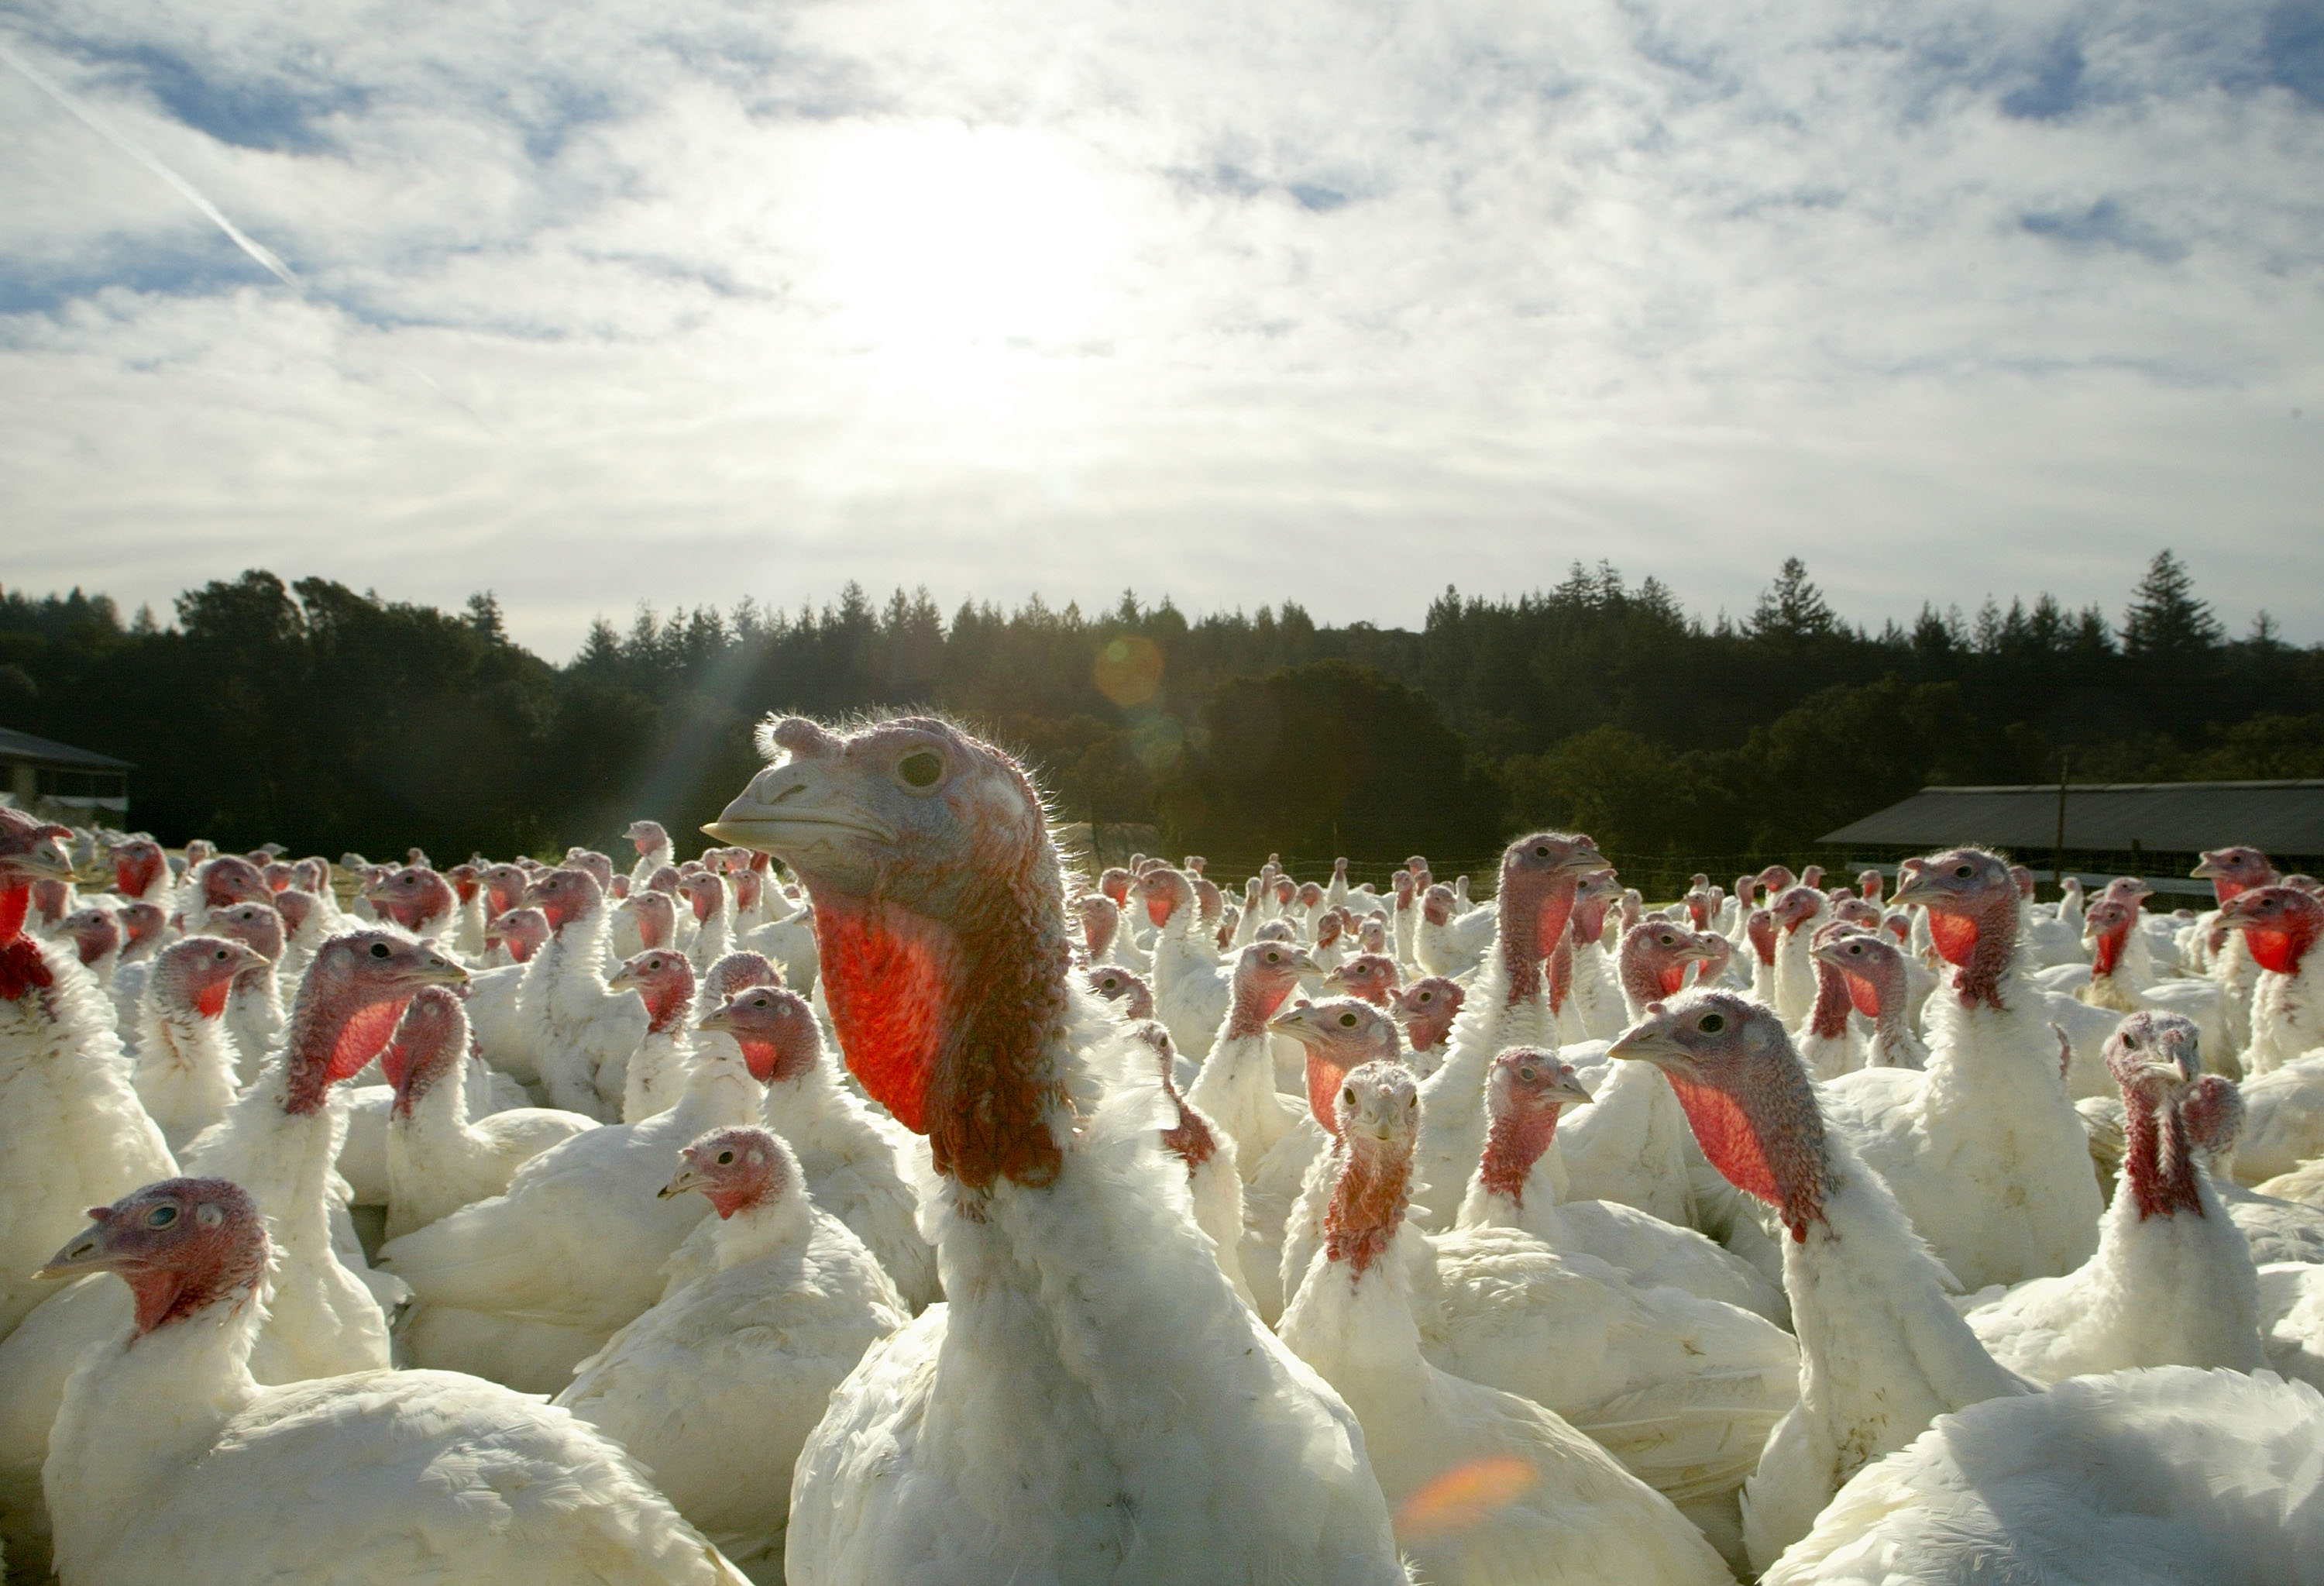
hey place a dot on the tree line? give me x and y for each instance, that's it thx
(329, 719)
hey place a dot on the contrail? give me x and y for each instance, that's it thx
(266, 257)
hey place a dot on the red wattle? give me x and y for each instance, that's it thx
(1728, 1139)
(1323, 1077)
(1955, 936)
(888, 976)
(2105, 954)
(1670, 978)
(361, 1036)
(2273, 950)
(212, 1000)
(1864, 995)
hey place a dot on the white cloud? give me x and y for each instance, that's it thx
(636, 301)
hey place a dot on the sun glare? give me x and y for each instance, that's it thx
(940, 241)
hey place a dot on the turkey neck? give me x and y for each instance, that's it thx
(776, 1221)
(1829, 1017)
(1530, 912)
(22, 967)
(136, 1413)
(957, 1024)
(1368, 1203)
(2157, 1164)
(1516, 1140)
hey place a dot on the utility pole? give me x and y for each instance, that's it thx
(2058, 859)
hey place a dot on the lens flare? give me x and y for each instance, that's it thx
(1464, 1496)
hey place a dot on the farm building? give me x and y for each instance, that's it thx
(58, 782)
(2099, 830)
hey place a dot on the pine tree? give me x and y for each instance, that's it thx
(1792, 607)
(2164, 618)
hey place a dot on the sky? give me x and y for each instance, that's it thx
(679, 302)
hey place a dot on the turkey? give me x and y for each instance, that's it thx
(1428, 1009)
(2231, 873)
(858, 1164)
(438, 1160)
(2170, 1475)
(1095, 1401)
(1597, 989)
(503, 1038)
(716, 1388)
(654, 1075)
(1449, 942)
(418, 900)
(1565, 1511)
(279, 1138)
(578, 1028)
(1881, 1351)
(1369, 975)
(1828, 1040)
(1192, 988)
(171, 1465)
(1983, 1147)
(1508, 1006)
(2173, 1281)
(185, 1066)
(220, 883)
(2280, 926)
(1238, 1088)
(253, 1004)
(712, 907)
(1878, 987)
(654, 851)
(1796, 913)
(1520, 1182)
(1683, 1391)
(521, 1288)
(2117, 985)
(72, 1132)
(1214, 1181)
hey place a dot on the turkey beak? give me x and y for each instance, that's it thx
(1912, 887)
(1569, 1090)
(46, 862)
(795, 806)
(1305, 962)
(683, 1180)
(717, 1020)
(1291, 1022)
(622, 980)
(1584, 862)
(87, 1252)
(1649, 1041)
(2209, 871)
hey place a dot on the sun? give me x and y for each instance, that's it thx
(937, 242)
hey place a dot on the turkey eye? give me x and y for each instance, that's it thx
(161, 1217)
(724, 1158)
(1347, 1021)
(1712, 1023)
(921, 770)
(1348, 1096)
(1965, 871)
(1542, 852)
(1528, 1075)
(379, 950)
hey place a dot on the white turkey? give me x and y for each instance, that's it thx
(1095, 1400)
(654, 1075)
(2281, 926)
(72, 1132)
(2172, 1282)
(1238, 1087)
(576, 1027)
(1560, 1508)
(1881, 1351)
(521, 1288)
(171, 1465)
(716, 1388)
(1192, 988)
(279, 1138)
(438, 1159)
(1983, 1147)
(1520, 1182)
(1508, 1006)
(2170, 1476)
(858, 1164)
(185, 1066)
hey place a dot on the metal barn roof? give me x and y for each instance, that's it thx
(16, 745)
(2170, 818)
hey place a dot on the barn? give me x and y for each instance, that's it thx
(2103, 829)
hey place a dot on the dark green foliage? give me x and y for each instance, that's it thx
(1328, 758)
(329, 719)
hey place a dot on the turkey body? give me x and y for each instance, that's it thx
(2162, 1477)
